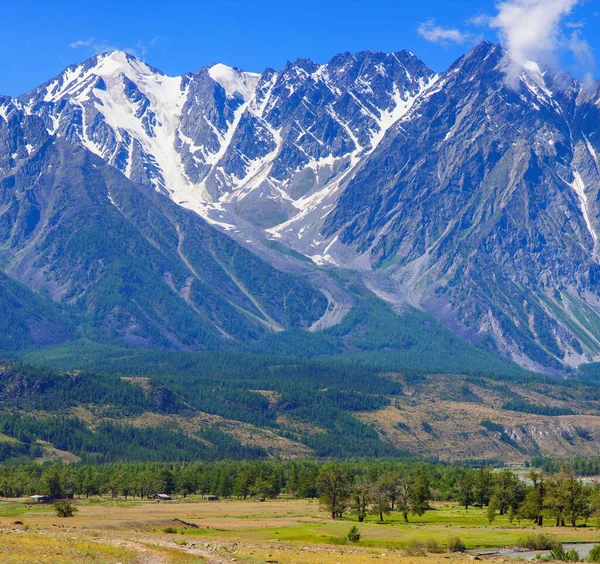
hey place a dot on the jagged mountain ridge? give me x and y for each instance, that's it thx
(457, 193)
(224, 142)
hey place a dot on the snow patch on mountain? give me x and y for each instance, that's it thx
(234, 81)
(579, 186)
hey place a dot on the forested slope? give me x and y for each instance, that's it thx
(207, 406)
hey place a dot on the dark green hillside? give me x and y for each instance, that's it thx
(27, 319)
(374, 335)
(370, 335)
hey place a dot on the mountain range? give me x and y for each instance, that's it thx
(223, 206)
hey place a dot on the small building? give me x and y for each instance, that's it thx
(50, 498)
(42, 498)
(162, 497)
(211, 498)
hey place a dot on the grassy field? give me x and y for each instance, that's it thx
(298, 531)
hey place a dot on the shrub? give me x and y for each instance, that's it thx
(572, 555)
(415, 548)
(170, 530)
(540, 541)
(594, 554)
(557, 552)
(433, 546)
(583, 433)
(455, 544)
(353, 534)
(65, 508)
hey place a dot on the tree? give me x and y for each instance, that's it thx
(403, 503)
(577, 501)
(466, 488)
(594, 506)
(533, 505)
(360, 497)
(186, 482)
(65, 508)
(509, 492)
(419, 494)
(307, 482)
(88, 481)
(333, 482)
(165, 481)
(390, 483)
(380, 498)
(484, 482)
(263, 488)
(52, 481)
(242, 484)
(567, 499)
(492, 508)
(413, 495)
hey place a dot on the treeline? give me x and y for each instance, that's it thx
(243, 479)
(526, 407)
(589, 466)
(357, 489)
(560, 497)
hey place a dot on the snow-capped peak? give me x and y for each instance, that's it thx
(234, 81)
(107, 66)
(118, 62)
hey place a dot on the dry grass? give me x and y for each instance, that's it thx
(434, 417)
(25, 547)
(343, 555)
(52, 454)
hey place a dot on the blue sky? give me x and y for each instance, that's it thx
(39, 38)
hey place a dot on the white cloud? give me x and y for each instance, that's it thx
(103, 46)
(532, 30)
(434, 33)
(82, 43)
(480, 20)
(584, 57)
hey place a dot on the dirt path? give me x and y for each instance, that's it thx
(146, 554)
(192, 548)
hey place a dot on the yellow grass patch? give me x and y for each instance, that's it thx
(21, 547)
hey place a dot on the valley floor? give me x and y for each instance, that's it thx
(290, 531)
